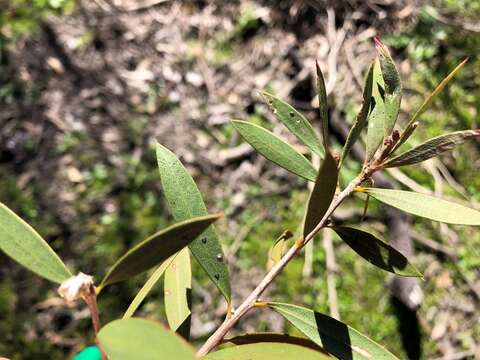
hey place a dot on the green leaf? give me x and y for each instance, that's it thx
(376, 252)
(335, 337)
(426, 206)
(147, 287)
(322, 105)
(295, 122)
(139, 339)
(278, 249)
(156, 249)
(275, 149)
(266, 351)
(432, 147)
(322, 193)
(362, 116)
(185, 201)
(24, 245)
(273, 338)
(178, 293)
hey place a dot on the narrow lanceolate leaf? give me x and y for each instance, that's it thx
(178, 293)
(426, 206)
(275, 149)
(266, 351)
(24, 245)
(432, 147)
(361, 119)
(147, 287)
(295, 122)
(266, 337)
(185, 201)
(139, 339)
(323, 105)
(278, 249)
(337, 338)
(376, 251)
(157, 248)
(322, 193)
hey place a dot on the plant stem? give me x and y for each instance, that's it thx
(250, 301)
(91, 301)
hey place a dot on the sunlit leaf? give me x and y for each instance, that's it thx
(335, 337)
(178, 293)
(147, 287)
(322, 193)
(323, 105)
(295, 122)
(426, 206)
(24, 245)
(266, 337)
(432, 147)
(275, 149)
(362, 116)
(139, 339)
(157, 248)
(185, 201)
(376, 251)
(278, 249)
(266, 351)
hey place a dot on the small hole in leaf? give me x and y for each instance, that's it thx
(217, 276)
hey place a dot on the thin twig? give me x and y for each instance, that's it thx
(91, 301)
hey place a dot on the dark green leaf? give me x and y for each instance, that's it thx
(266, 351)
(24, 245)
(147, 287)
(322, 193)
(295, 122)
(185, 201)
(432, 147)
(275, 149)
(156, 249)
(139, 339)
(335, 337)
(426, 206)
(362, 116)
(376, 251)
(390, 74)
(178, 293)
(323, 105)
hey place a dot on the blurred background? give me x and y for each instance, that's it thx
(87, 86)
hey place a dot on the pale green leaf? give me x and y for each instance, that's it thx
(185, 201)
(275, 149)
(322, 193)
(178, 293)
(268, 337)
(24, 245)
(266, 351)
(139, 339)
(426, 206)
(278, 249)
(156, 249)
(376, 251)
(432, 147)
(147, 287)
(337, 338)
(295, 122)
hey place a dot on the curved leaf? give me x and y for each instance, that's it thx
(139, 339)
(432, 147)
(376, 252)
(156, 249)
(362, 116)
(275, 149)
(335, 337)
(295, 122)
(147, 287)
(185, 201)
(322, 105)
(273, 338)
(266, 351)
(278, 249)
(24, 245)
(426, 206)
(322, 193)
(178, 293)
